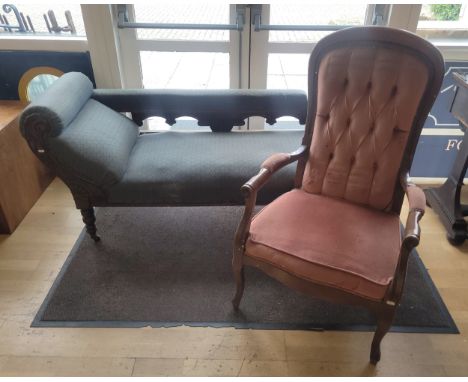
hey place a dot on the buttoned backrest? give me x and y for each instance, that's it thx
(367, 97)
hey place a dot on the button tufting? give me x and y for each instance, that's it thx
(381, 118)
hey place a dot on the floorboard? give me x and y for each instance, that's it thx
(31, 257)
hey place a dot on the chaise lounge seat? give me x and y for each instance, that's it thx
(105, 161)
(196, 168)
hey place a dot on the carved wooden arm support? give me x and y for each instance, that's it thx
(417, 207)
(251, 188)
(219, 109)
(411, 235)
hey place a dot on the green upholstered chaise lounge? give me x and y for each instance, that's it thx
(105, 160)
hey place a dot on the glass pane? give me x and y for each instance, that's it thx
(182, 124)
(443, 21)
(185, 70)
(36, 14)
(287, 71)
(182, 13)
(286, 13)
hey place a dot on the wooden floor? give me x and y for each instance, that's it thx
(31, 258)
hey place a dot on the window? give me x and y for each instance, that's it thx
(184, 13)
(317, 14)
(34, 15)
(444, 22)
(288, 70)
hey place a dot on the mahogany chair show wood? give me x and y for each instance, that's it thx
(337, 234)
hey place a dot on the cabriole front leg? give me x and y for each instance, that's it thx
(384, 322)
(90, 221)
(238, 270)
(239, 243)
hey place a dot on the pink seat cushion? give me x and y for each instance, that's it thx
(328, 241)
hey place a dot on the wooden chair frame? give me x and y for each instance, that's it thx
(384, 310)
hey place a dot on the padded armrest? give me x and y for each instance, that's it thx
(269, 167)
(219, 109)
(275, 161)
(416, 198)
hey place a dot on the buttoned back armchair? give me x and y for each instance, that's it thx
(337, 234)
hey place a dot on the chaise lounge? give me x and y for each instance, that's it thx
(103, 158)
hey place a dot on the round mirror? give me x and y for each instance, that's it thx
(38, 85)
(36, 81)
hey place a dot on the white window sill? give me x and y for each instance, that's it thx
(450, 43)
(437, 24)
(43, 42)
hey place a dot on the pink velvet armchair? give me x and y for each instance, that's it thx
(337, 234)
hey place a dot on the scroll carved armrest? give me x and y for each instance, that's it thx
(250, 188)
(411, 235)
(417, 207)
(269, 167)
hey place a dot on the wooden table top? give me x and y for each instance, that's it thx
(9, 110)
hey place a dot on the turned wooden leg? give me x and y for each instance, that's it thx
(384, 322)
(90, 221)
